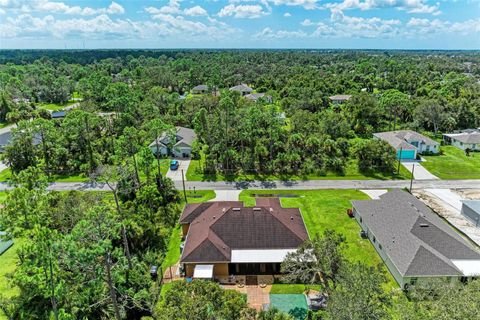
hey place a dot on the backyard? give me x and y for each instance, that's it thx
(453, 164)
(195, 173)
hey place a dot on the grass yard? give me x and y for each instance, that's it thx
(283, 288)
(326, 209)
(54, 106)
(195, 173)
(6, 175)
(8, 263)
(454, 164)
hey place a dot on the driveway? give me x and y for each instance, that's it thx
(447, 196)
(374, 193)
(420, 173)
(226, 195)
(176, 175)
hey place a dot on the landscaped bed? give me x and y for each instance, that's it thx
(453, 164)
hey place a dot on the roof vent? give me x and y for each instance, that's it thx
(424, 225)
(291, 218)
(223, 210)
(257, 209)
(213, 217)
(271, 209)
(236, 209)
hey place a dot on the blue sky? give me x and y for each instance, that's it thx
(376, 24)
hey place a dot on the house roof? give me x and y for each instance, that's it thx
(417, 241)
(401, 139)
(241, 88)
(217, 228)
(183, 135)
(58, 114)
(472, 204)
(256, 96)
(465, 137)
(340, 97)
(200, 87)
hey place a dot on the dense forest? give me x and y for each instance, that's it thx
(146, 92)
(88, 255)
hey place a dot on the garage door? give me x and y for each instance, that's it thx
(406, 155)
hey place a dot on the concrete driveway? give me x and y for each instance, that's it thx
(374, 193)
(226, 195)
(448, 197)
(176, 175)
(420, 173)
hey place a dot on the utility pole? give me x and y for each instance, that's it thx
(411, 179)
(184, 192)
(399, 157)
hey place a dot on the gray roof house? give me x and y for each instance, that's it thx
(471, 211)
(256, 96)
(340, 98)
(180, 148)
(408, 143)
(465, 139)
(202, 88)
(242, 88)
(413, 241)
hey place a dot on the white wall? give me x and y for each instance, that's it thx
(464, 146)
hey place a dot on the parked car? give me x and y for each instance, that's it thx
(174, 164)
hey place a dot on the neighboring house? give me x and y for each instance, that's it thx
(471, 211)
(202, 88)
(465, 139)
(256, 96)
(340, 98)
(58, 114)
(242, 88)
(6, 137)
(181, 147)
(229, 242)
(413, 241)
(408, 143)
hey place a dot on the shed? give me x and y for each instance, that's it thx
(471, 211)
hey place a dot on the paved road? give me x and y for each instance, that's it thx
(301, 185)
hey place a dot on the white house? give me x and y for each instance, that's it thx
(466, 139)
(181, 147)
(408, 143)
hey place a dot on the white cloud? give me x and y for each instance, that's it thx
(411, 6)
(307, 4)
(173, 7)
(243, 11)
(16, 6)
(195, 11)
(436, 26)
(306, 23)
(287, 14)
(280, 34)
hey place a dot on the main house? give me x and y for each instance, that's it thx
(465, 139)
(408, 143)
(413, 241)
(340, 98)
(243, 89)
(180, 147)
(229, 242)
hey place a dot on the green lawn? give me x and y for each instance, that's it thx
(283, 288)
(8, 263)
(326, 209)
(6, 175)
(453, 164)
(54, 106)
(195, 173)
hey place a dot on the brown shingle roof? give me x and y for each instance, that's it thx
(226, 225)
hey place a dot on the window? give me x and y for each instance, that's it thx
(373, 239)
(413, 280)
(379, 246)
(361, 219)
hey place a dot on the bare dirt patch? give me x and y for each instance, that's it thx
(469, 194)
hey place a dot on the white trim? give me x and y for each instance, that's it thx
(260, 256)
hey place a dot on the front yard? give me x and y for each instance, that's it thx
(453, 164)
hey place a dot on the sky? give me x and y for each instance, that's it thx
(316, 24)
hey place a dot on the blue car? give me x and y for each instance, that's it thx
(174, 165)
